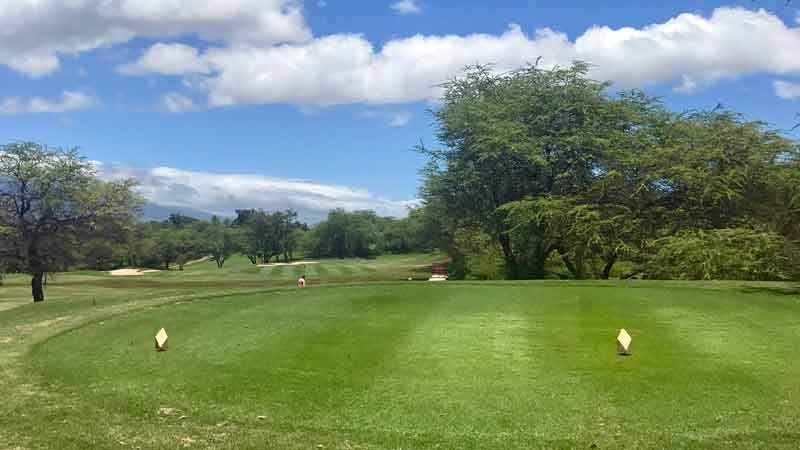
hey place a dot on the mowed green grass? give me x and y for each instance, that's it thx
(421, 366)
(204, 277)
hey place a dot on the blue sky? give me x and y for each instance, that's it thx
(278, 103)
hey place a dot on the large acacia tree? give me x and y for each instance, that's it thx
(51, 202)
(527, 134)
(548, 163)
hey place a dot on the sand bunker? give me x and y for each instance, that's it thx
(203, 259)
(296, 263)
(131, 272)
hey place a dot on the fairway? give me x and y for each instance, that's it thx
(424, 366)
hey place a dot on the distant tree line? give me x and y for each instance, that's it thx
(261, 236)
(56, 215)
(364, 234)
(543, 173)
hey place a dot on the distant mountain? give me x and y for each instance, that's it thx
(153, 211)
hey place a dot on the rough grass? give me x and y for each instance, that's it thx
(402, 365)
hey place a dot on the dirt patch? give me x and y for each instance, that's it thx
(132, 272)
(6, 340)
(188, 441)
(297, 263)
(166, 412)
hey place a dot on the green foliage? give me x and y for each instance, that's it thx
(721, 254)
(482, 257)
(220, 241)
(51, 203)
(344, 234)
(264, 235)
(166, 248)
(546, 163)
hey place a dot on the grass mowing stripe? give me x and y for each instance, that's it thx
(344, 269)
(321, 270)
(426, 366)
(277, 272)
(369, 267)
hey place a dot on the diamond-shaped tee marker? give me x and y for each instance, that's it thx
(161, 340)
(624, 342)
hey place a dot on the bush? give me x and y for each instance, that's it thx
(482, 257)
(722, 254)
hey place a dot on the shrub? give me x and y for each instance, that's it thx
(722, 254)
(482, 257)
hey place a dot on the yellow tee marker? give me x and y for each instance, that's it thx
(161, 340)
(624, 342)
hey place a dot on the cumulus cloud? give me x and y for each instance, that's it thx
(36, 33)
(175, 102)
(221, 194)
(787, 90)
(346, 68)
(167, 59)
(693, 50)
(69, 101)
(406, 7)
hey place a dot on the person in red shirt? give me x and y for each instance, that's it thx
(302, 281)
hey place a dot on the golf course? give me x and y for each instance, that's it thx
(399, 225)
(365, 359)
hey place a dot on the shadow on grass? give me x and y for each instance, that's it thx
(772, 290)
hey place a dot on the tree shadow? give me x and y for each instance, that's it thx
(772, 290)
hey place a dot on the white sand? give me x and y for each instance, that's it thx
(203, 259)
(296, 263)
(131, 272)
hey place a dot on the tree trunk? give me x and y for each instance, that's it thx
(568, 263)
(37, 269)
(610, 260)
(37, 288)
(537, 268)
(575, 270)
(512, 270)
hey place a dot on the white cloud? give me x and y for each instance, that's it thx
(395, 119)
(694, 50)
(262, 51)
(345, 68)
(69, 101)
(175, 102)
(35, 33)
(399, 119)
(221, 194)
(787, 90)
(167, 59)
(406, 7)
(688, 85)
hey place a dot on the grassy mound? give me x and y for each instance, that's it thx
(423, 366)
